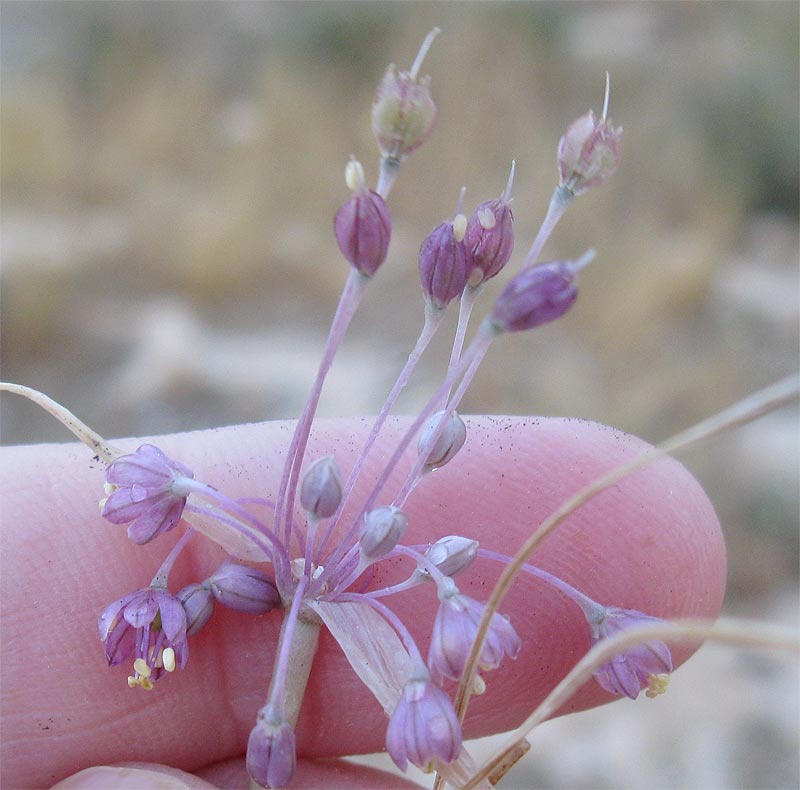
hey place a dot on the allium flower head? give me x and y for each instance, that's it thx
(424, 728)
(589, 151)
(145, 493)
(271, 756)
(454, 631)
(362, 225)
(639, 667)
(147, 627)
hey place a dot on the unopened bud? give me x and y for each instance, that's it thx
(452, 554)
(244, 589)
(382, 530)
(445, 262)
(537, 295)
(589, 151)
(321, 490)
(490, 235)
(271, 754)
(362, 225)
(198, 603)
(450, 441)
(403, 113)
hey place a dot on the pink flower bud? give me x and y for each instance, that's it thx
(403, 113)
(589, 151)
(271, 755)
(244, 589)
(490, 235)
(450, 440)
(381, 531)
(537, 295)
(321, 489)
(198, 602)
(452, 554)
(363, 228)
(445, 262)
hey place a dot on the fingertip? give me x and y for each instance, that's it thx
(132, 776)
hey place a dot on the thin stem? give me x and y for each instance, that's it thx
(423, 51)
(92, 439)
(433, 319)
(468, 298)
(162, 574)
(559, 203)
(732, 632)
(590, 608)
(740, 413)
(201, 489)
(348, 303)
(481, 346)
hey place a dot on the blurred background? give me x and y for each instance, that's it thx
(169, 176)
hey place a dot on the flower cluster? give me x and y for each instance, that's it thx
(320, 559)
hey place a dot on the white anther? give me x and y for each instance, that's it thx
(459, 227)
(487, 218)
(141, 668)
(168, 659)
(354, 175)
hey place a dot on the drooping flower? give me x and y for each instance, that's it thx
(451, 439)
(145, 493)
(640, 667)
(423, 728)
(147, 627)
(454, 631)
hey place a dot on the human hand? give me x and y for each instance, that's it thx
(652, 542)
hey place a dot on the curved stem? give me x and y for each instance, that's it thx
(559, 203)
(162, 574)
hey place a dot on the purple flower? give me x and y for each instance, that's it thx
(271, 756)
(642, 666)
(454, 631)
(147, 627)
(423, 728)
(321, 489)
(144, 494)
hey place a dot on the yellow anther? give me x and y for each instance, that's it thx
(354, 175)
(141, 668)
(478, 686)
(656, 684)
(168, 659)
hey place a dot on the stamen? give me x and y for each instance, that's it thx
(354, 175)
(507, 194)
(656, 684)
(487, 218)
(168, 659)
(141, 667)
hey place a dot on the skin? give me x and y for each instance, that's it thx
(651, 542)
